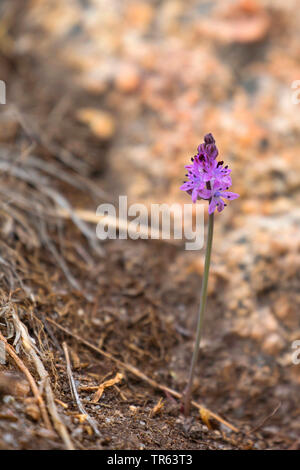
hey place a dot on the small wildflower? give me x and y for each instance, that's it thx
(216, 196)
(207, 178)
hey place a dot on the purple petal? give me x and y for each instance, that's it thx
(204, 193)
(201, 149)
(229, 195)
(216, 186)
(186, 186)
(195, 195)
(221, 205)
(212, 151)
(224, 182)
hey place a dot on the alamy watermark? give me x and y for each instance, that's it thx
(161, 221)
(2, 92)
(296, 353)
(2, 353)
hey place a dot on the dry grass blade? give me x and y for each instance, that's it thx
(64, 205)
(75, 393)
(266, 418)
(31, 350)
(60, 261)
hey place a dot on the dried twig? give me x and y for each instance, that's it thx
(265, 419)
(31, 349)
(157, 408)
(108, 383)
(75, 393)
(141, 375)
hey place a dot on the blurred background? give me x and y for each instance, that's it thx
(111, 97)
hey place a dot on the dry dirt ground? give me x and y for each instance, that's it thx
(109, 98)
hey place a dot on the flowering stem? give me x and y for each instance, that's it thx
(188, 390)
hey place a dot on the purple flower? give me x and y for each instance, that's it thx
(216, 195)
(207, 178)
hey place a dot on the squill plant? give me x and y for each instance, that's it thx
(207, 179)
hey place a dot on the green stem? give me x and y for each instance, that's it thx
(188, 390)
